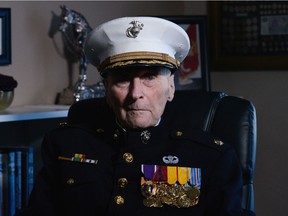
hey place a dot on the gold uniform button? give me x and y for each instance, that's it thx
(99, 130)
(122, 182)
(115, 136)
(218, 142)
(179, 133)
(128, 157)
(70, 181)
(119, 200)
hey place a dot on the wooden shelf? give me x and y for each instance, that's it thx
(33, 112)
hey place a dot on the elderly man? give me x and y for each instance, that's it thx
(137, 158)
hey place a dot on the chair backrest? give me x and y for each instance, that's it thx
(231, 119)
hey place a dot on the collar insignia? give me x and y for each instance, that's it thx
(145, 136)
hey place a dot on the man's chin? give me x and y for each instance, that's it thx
(140, 123)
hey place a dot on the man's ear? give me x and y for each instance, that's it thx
(171, 87)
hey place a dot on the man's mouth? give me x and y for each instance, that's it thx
(136, 109)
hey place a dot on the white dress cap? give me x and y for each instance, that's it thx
(131, 41)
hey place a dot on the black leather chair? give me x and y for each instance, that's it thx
(231, 119)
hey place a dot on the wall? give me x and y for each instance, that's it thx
(37, 60)
(42, 72)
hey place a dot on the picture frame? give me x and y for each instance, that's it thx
(5, 36)
(248, 35)
(193, 73)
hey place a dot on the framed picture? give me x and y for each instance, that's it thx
(248, 35)
(193, 73)
(5, 36)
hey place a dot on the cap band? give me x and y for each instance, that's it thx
(130, 58)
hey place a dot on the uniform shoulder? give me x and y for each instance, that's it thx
(89, 111)
(90, 115)
(98, 128)
(200, 137)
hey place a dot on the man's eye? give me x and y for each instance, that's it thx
(149, 80)
(150, 77)
(121, 79)
(122, 82)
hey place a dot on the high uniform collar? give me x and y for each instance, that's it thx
(139, 136)
(125, 130)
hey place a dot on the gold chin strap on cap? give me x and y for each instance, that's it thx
(150, 58)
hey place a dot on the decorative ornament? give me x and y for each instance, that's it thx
(145, 136)
(132, 32)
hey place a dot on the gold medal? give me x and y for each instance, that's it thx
(149, 189)
(183, 202)
(193, 192)
(152, 202)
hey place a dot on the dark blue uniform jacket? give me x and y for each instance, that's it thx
(95, 187)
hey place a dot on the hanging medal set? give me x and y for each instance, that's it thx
(170, 185)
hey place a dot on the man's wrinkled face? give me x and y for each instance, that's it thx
(138, 95)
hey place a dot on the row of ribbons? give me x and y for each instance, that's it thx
(172, 174)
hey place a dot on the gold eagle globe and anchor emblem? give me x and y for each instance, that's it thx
(133, 31)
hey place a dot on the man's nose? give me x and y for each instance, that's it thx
(136, 88)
